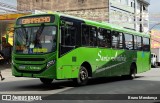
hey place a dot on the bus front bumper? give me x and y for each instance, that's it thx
(44, 73)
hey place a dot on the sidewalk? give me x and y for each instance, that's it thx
(4, 66)
(7, 74)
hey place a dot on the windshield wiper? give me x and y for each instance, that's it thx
(38, 34)
(25, 33)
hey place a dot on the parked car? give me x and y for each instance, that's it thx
(154, 60)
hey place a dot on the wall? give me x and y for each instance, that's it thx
(73, 7)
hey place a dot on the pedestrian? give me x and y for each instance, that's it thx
(1, 76)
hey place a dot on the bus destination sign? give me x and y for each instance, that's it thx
(36, 20)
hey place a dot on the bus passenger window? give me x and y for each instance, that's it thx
(128, 41)
(85, 35)
(139, 43)
(117, 40)
(135, 43)
(89, 35)
(92, 36)
(120, 41)
(146, 44)
(68, 35)
(104, 38)
(115, 37)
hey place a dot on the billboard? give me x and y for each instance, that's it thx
(155, 39)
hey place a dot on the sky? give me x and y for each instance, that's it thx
(154, 5)
(11, 2)
(154, 12)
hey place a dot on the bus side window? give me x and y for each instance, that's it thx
(146, 44)
(117, 40)
(85, 35)
(93, 36)
(115, 37)
(120, 41)
(68, 35)
(128, 41)
(89, 34)
(137, 43)
(104, 38)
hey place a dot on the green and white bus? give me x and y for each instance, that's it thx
(57, 46)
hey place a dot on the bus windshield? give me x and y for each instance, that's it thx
(35, 40)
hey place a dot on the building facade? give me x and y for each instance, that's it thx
(120, 12)
(142, 15)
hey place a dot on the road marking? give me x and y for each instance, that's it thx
(37, 92)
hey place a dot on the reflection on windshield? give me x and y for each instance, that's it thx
(35, 40)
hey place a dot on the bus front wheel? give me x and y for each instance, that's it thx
(46, 81)
(82, 77)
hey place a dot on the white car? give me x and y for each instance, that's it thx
(153, 60)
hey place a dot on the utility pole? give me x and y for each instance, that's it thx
(141, 17)
(135, 14)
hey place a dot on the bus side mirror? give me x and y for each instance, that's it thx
(63, 23)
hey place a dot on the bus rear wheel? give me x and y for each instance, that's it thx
(132, 74)
(82, 77)
(46, 81)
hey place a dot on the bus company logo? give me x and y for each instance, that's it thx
(117, 57)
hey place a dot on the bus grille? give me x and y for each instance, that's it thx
(29, 59)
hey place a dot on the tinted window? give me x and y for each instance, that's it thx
(93, 36)
(117, 40)
(128, 41)
(120, 41)
(146, 44)
(68, 35)
(89, 35)
(104, 38)
(137, 43)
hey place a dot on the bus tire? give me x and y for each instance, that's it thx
(46, 81)
(133, 72)
(155, 65)
(82, 77)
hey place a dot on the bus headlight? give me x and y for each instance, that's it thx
(50, 63)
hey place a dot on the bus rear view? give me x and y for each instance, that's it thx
(35, 46)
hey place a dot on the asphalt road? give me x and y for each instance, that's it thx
(145, 83)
